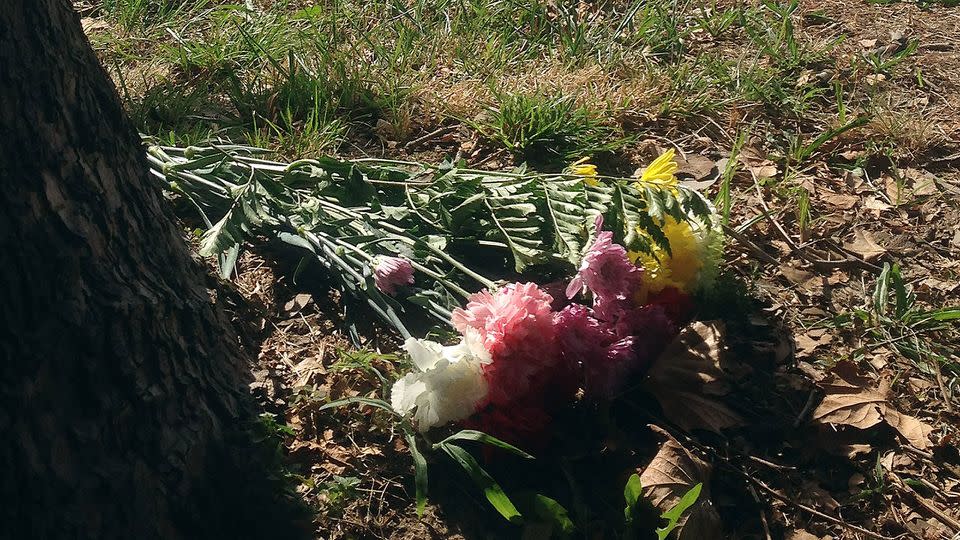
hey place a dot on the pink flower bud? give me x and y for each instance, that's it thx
(392, 272)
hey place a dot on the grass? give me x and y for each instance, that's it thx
(528, 76)
(540, 129)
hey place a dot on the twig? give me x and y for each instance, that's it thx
(943, 387)
(763, 515)
(747, 243)
(932, 508)
(773, 493)
(811, 401)
(439, 131)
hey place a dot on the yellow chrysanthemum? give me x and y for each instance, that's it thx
(661, 172)
(680, 269)
(587, 170)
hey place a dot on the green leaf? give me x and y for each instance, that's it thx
(517, 220)
(543, 509)
(251, 208)
(479, 436)
(567, 210)
(379, 403)
(631, 494)
(674, 514)
(420, 473)
(491, 489)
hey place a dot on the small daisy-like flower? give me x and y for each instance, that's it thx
(392, 272)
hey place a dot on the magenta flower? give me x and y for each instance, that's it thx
(392, 272)
(606, 360)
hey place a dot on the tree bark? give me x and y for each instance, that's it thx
(122, 399)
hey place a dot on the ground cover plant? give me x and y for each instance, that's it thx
(823, 133)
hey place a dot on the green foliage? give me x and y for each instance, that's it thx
(491, 489)
(137, 14)
(895, 318)
(674, 514)
(545, 517)
(340, 490)
(631, 496)
(347, 213)
(546, 130)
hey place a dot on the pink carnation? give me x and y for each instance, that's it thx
(392, 272)
(515, 325)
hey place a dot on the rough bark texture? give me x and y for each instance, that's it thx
(121, 386)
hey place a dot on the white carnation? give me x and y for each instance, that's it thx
(448, 385)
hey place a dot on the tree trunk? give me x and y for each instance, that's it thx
(122, 400)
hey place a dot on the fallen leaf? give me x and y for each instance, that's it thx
(849, 404)
(688, 374)
(796, 275)
(297, 303)
(896, 191)
(90, 24)
(800, 535)
(701, 170)
(670, 475)
(887, 461)
(843, 202)
(922, 183)
(807, 343)
(873, 203)
(813, 494)
(757, 163)
(912, 429)
(865, 245)
(851, 400)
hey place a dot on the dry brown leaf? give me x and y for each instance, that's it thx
(92, 24)
(852, 400)
(843, 202)
(757, 163)
(896, 191)
(807, 343)
(687, 374)
(800, 535)
(849, 405)
(912, 429)
(922, 182)
(796, 276)
(701, 170)
(670, 475)
(873, 203)
(865, 245)
(811, 493)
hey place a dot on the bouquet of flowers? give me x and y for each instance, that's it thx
(525, 350)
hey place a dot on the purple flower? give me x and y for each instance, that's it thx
(651, 330)
(392, 272)
(608, 273)
(605, 270)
